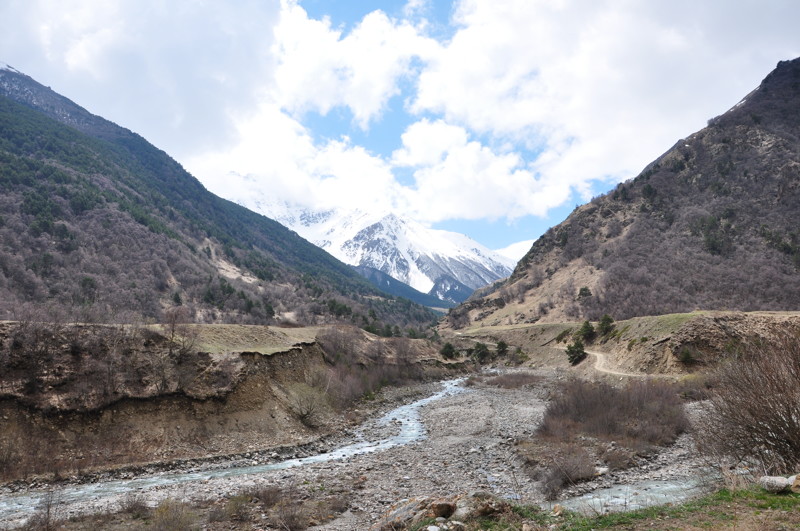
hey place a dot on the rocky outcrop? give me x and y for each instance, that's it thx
(449, 514)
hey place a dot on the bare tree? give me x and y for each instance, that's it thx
(755, 407)
(181, 336)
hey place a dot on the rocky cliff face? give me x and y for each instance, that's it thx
(711, 224)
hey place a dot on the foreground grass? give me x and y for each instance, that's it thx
(749, 509)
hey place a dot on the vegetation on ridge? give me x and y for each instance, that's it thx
(111, 228)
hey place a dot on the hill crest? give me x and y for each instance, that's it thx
(711, 224)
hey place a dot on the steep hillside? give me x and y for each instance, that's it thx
(711, 224)
(95, 219)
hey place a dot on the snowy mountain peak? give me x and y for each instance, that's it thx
(444, 264)
(416, 255)
(431, 261)
(6, 66)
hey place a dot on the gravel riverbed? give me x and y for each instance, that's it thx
(470, 445)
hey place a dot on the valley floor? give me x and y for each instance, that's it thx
(471, 445)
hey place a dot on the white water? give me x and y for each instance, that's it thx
(15, 509)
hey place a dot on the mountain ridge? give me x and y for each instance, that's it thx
(97, 220)
(710, 224)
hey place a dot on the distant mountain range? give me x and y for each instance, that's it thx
(711, 224)
(444, 265)
(98, 224)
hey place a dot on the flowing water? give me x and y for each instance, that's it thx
(404, 426)
(636, 495)
(16, 508)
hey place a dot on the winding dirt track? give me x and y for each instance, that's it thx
(601, 362)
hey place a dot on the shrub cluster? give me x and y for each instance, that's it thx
(643, 413)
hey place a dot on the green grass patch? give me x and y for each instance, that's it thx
(719, 507)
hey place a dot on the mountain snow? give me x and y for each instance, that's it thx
(404, 249)
(6, 66)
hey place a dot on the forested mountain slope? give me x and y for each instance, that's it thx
(711, 224)
(96, 222)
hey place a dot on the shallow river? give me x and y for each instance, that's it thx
(16, 508)
(404, 425)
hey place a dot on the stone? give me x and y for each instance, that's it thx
(774, 484)
(402, 514)
(478, 503)
(442, 508)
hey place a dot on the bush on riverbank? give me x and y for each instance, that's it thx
(641, 414)
(755, 408)
(587, 421)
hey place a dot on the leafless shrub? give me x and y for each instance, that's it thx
(267, 495)
(44, 519)
(134, 505)
(181, 336)
(306, 403)
(571, 465)
(754, 413)
(474, 380)
(618, 458)
(648, 412)
(339, 343)
(288, 513)
(237, 508)
(337, 504)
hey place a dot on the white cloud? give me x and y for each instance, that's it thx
(601, 86)
(172, 71)
(276, 158)
(520, 105)
(595, 89)
(425, 143)
(319, 68)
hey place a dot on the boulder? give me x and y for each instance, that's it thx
(442, 508)
(796, 484)
(479, 503)
(774, 484)
(403, 514)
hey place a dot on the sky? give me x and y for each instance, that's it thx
(494, 118)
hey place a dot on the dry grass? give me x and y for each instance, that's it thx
(173, 515)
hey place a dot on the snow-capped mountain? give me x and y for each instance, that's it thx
(444, 264)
